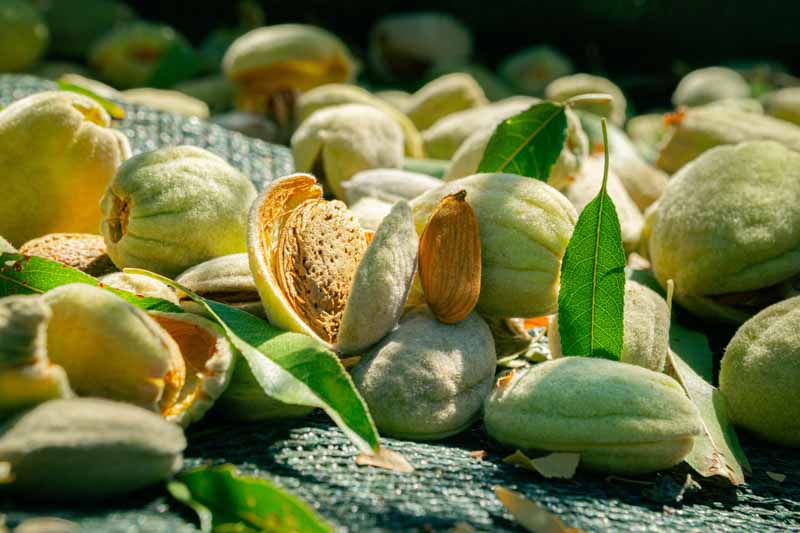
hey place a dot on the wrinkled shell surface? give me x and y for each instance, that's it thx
(83, 251)
(319, 249)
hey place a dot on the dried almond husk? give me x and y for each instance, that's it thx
(450, 259)
(83, 251)
(308, 256)
(209, 362)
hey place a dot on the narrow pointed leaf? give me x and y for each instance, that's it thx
(717, 452)
(115, 110)
(22, 274)
(529, 143)
(591, 299)
(235, 502)
(293, 368)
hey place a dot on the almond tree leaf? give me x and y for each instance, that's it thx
(692, 346)
(23, 274)
(591, 298)
(529, 143)
(555, 465)
(530, 515)
(717, 452)
(228, 500)
(292, 368)
(112, 108)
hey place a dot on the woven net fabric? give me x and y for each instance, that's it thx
(454, 479)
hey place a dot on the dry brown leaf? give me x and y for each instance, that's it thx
(554, 465)
(386, 459)
(505, 379)
(780, 478)
(462, 527)
(530, 515)
(450, 259)
(478, 454)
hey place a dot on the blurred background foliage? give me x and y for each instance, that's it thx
(644, 45)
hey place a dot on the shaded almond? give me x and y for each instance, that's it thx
(450, 259)
(83, 251)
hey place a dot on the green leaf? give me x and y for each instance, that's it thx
(293, 368)
(692, 346)
(591, 299)
(178, 63)
(527, 144)
(717, 451)
(111, 108)
(228, 501)
(22, 274)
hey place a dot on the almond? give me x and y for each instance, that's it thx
(450, 259)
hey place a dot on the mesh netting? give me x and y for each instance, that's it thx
(451, 484)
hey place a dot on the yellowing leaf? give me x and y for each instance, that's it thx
(554, 465)
(780, 478)
(530, 515)
(386, 459)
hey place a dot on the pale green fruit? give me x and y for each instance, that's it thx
(334, 94)
(337, 142)
(442, 96)
(727, 230)
(269, 60)
(620, 418)
(645, 326)
(525, 226)
(698, 129)
(23, 35)
(444, 137)
(760, 373)
(566, 87)
(174, 208)
(111, 349)
(409, 45)
(427, 380)
(87, 449)
(644, 183)
(710, 84)
(388, 185)
(76, 24)
(141, 285)
(647, 132)
(58, 154)
(531, 70)
(169, 101)
(783, 104)
(128, 55)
